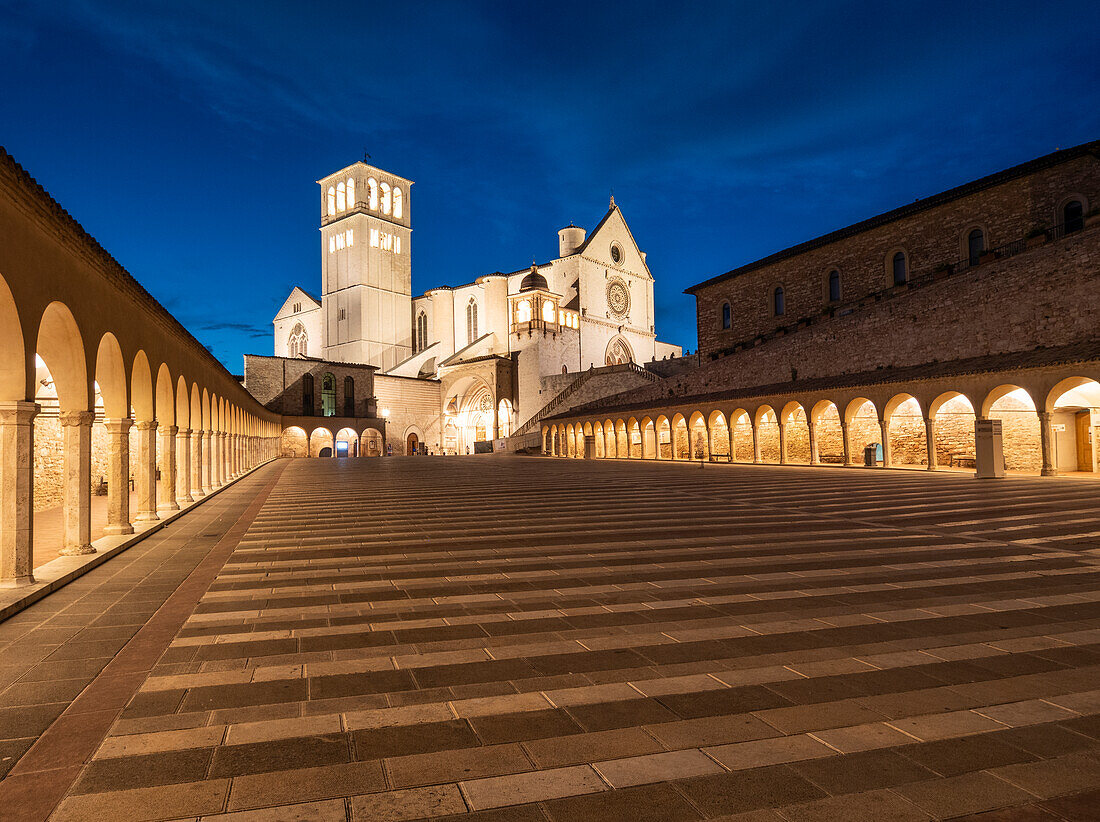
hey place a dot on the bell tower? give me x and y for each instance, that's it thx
(366, 266)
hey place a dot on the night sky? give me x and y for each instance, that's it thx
(186, 137)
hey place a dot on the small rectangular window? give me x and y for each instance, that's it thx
(374, 238)
(331, 244)
(343, 313)
(350, 238)
(396, 245)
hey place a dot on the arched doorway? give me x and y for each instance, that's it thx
(325, 452)
(618, 352)
(412, 444)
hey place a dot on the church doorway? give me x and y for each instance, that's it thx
(411, 445)
(325, 452)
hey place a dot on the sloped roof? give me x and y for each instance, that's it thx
(989, 181)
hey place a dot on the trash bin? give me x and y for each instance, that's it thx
(870, 452)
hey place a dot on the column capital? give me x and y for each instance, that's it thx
(18, 413)
(119, 426)
(146, 425)
(183, 432)
(1044, 416)
(76, 418)
(170, 430)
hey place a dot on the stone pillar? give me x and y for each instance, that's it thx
(166, 491)
(989, 459)
(118, 477)
(884, 430)
(756, 458)
(845, 440)
(812, 428)
(196, 465)
(76, 493)
(1046, 440)
(145, 472)
(17, 493)
(207, 461)
(930, 441)
(183, 470)
(782, 443)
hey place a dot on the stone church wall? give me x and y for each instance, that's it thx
(1005, 213)
(49, 460)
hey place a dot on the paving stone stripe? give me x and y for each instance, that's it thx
(523, 639)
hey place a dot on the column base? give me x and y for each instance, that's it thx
(18, 582)
(207, 490)
(76, 550)
(168, 507)
(182, 501)
(1049, 472)
(147, 516)
(195, 495)
(118, 530)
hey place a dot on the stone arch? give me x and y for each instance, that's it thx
(952, 416)
(1073, 409)
(766, 423)
(618, 351)
(634, 434)
(681, 438)
(413, 441)
(649, 438)
(622, 439)
(371, 443)
(15, 365)
(719, 436)
(611, 447)
(1021, 437)
(796, 433)
(699, 436)
(61, 347)
(601, 442)
(663, 431)
(906, 442)
(321, 442)
(742, 436)
(828, 433)
(861, 420)
(110, 376)
(349, 438)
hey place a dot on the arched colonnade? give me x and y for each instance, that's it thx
(1048, 421)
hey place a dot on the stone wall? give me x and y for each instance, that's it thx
(49, 460)
(929, 238)
(277, 383)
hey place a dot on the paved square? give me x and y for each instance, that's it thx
(536, 639)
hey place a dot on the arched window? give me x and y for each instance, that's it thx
(421, 341)
(834, 286)
(471, 321)
(328, 395)
(351, 192)
(618, 353)
(548, 312)
(975, 246)
(398, 203)
(307, 395)
(349, 397)
(386, 198)
(372, 193)
(331, 201)
(727, 317)
(779, 305)
(900, 268)
(341, 202)
(1073, 216)
(523, 311)
(298, 342)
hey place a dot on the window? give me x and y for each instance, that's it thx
(398, 203)
(349, 397)
(372, 193)
(523, 311)
(341, 203)
(328, 395)
(779, 306)
(331, 201)
(900, 268)
(297, 308)
(975, 246)
(834, 286)
(471, 321)
(349, 238)
(1073, 216)
(386, 198)
(331, 244)
(307, 395)
(343, 315)
(548, 312)
(351, 192)
(297, 341)
(340, 241)
(727, 319)
(421, 341)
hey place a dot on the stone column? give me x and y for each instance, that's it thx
(183, 470)
(782, 443)
(207, 461)
(756, 458)
(812, 428)
(196, 465)
(17, 493)
(118, 477)
(76, 499)
(166, 492)
(1046, 440)
(930, 441)
(845, 439)
(884, 429)
(145, 472)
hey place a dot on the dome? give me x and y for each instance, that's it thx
(534, 280)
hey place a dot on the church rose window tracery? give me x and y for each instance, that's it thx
(297, 342)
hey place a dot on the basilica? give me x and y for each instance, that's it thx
(456, 368)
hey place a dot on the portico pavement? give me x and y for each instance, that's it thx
(532, 639)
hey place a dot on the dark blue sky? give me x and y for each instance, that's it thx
(187, 137)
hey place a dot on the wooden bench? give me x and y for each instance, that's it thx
(961, 459)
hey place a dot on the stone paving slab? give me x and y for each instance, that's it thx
(534, 639)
